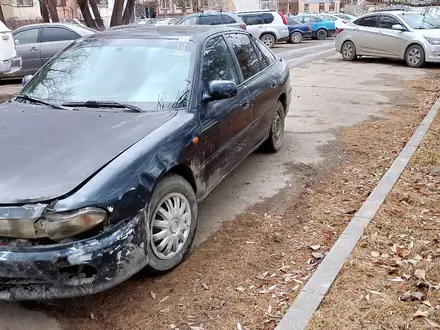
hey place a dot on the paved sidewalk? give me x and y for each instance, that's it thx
(9, 90)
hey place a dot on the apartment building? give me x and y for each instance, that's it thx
(290, 6)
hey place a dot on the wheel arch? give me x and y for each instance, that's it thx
(269, 32)
(182, 170)
(283, 99)
(412, 43)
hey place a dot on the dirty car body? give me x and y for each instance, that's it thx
(97, 159)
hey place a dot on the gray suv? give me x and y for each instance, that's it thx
(213, 18)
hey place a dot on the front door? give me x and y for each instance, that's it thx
(224, 138)
(390, 42)
(28, 47)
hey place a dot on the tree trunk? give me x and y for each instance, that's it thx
(195, 6)
(97, 14)
(2, 16)
(128, 12)
(83, 6)
(183, 2)
(118, 7)
(44, 12)
(52, 6)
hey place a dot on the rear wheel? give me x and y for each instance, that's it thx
(276, 136)
(321, 34)
(268, 39)
(348, 51)
(172, 216)
(296, 37)
(415, 56)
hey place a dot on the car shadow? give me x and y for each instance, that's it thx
(393, 62)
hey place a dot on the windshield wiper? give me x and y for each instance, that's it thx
(36, 100)
(105, 104)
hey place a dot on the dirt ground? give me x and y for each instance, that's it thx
(246, 275)
(392, 278)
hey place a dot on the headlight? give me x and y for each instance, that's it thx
(53, 225)
(432, 40)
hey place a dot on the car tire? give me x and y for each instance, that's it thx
(348, 51)
(296, 37)
(268, 39)
(276, 135)
(172, 194)
(321, 34)
(415, 56)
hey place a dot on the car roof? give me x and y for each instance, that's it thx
(209, 13)
(69, 25)
(256, 11)
(136, 31)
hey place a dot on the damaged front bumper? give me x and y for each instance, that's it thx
(74, 269)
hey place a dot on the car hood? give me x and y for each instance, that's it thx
(46, 153)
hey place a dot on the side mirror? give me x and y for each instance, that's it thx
(398, 27)
(222, 89)
(26, 79)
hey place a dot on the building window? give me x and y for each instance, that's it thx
(25, 3)
(306, 7)
(321, 7)
(331, 6)
(164, 4)
(187, 2)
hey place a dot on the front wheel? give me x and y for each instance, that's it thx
(268, 40)
(172, 216)
(321, 34)
(276, 136)
(296, 37)
(415, 56)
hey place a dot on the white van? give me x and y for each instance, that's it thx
(9, 61)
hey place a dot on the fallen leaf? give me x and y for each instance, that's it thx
(420, 313)
(164, 299)
(197, 328)
(174, 327)
(153, 295)
(418, 257)
(401, 252)
(240, 289)
(239, 327)
(205, 285)
(407, 276)
(432, 323)
(420, 274)
(410, 296)
(375, 292)
(92, 316)
(397, 279)
(367, 297)
(318, 255)
(315, 247)
(427, 303)
(375, 254)
(269, 309)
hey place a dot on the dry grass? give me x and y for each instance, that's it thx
(247, 274)
(398, 257)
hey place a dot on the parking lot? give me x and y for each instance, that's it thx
(328, 96)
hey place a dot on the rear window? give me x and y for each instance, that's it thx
(210, 20)
(252, 19)
(228, 19)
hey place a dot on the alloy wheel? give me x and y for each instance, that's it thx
(414, 56)
(347, 51)
(277, 129)
(268, 40)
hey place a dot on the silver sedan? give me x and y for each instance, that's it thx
(410, 36)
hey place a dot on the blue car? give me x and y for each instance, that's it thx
(298, 31)
(321, 28)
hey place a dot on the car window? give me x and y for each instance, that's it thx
(210, 20)
(267, 18)
(386, 22)
(29, 36)
(218, 63)
(264, 63)
(311, 19)
(267, 54)
(333, 18)
(190, 20)
(369, 21)
(253, 19)
(57, 34)
(245, 53)
(291, 21)
(228, 19)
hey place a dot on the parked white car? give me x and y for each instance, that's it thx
(410, 36)
(339, 22)
(267, 25)
(9, 61)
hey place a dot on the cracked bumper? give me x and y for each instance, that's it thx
(48, 272)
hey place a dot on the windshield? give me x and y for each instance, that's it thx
(150, 73)
(420, 21)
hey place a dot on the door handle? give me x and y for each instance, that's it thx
(273, 83)
(245, 105)
(33, 49)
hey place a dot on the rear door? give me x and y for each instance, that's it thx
(53, 39)
(390, 43)
(230, 21)
(210, 20)
(224, 135)
(254, 24)
(365, 34)
(28, 47)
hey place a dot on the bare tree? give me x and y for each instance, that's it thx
(83, 6)
(2, 16)
(128, 12)
(44, 12)
(116, 18)
(52, 6)
(182, 5)
(97, 14)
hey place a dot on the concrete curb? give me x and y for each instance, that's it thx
(310, 297)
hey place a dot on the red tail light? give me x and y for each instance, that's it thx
(283, 17)
(340, 30)
(243, 26)
(309, 27)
